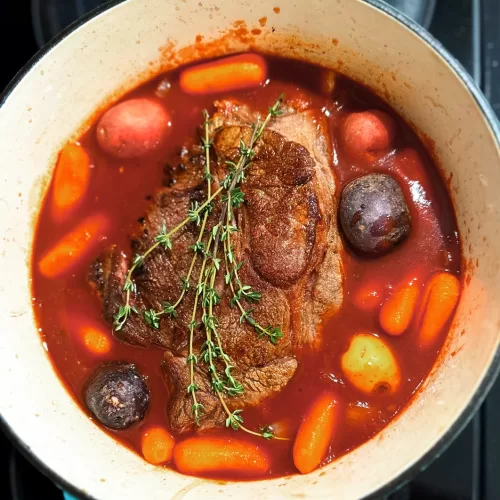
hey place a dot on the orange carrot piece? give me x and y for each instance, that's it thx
(199, 455)
(315, 433)
(440, 299)
(397, 311)
(367, 297)
(96, 341)
(71, 180)
(231, 73)
(360, 414)
(157, 445)
(73, 247)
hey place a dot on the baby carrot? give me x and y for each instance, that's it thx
(440, 299)
(96, 341)
(397, 311)
(157, 445)
(315, 433)
(71, 180)
(367, 297)
(199, 455)
(73, 247)
(230, 73)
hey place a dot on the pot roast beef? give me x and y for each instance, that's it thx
(289, 242)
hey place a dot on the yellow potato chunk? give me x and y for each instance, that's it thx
(370, 366)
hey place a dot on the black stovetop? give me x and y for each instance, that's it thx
(469, 29)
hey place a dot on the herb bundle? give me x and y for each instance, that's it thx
(207, 247)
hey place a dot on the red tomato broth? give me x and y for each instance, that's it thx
(121, 190)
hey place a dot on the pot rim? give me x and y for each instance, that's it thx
(494, 369)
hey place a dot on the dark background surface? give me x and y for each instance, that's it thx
(470, 468)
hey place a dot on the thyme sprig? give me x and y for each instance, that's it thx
(197, 408)
(234, 199)
(211, 351)
(245, 292)
(219, 364)
(197, 248)
(162, 239)
(151, 316)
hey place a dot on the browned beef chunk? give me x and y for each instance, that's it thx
(289, 242)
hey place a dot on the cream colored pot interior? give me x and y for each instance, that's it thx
(64, 88)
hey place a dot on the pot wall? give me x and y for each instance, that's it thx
(139, 37)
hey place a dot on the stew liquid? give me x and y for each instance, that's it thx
(122, 189)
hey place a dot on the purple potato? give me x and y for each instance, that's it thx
(374, 214)
(117, 395)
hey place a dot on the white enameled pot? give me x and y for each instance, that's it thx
(122, 44)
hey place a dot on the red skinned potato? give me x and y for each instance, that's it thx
(368, 133)
(133, 128)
